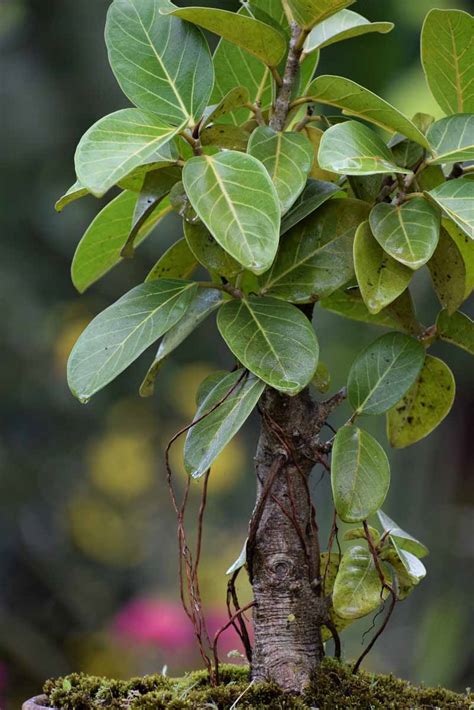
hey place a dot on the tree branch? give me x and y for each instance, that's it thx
(282, 105)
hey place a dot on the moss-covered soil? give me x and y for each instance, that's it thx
(334, 688)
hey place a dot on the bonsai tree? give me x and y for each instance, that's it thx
(287, 208)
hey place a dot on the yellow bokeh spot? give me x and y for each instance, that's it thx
(66, 339)
(122, 464)
(185, 384)
(226, 471)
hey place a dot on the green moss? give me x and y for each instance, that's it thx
(333, 688)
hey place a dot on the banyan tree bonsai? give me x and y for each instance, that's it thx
(287, 208)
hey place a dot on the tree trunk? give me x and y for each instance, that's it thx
(283, 549)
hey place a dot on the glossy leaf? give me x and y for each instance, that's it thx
(408, 569)
(315, 135)
(272, 339)
(345, 24)
(228, 136)
(235, 98)
(381, 279)
(409, 233)
(315, 194)
(203, 303)
(162, 64)
(452, 139)
(178, 262)
(399, 315)
(407, 154)
(424, 406)
(351, 148)
(366, 187)
(262, 41)
(315, 257)
(287, 158)
(100, 248)
(75, 192)
(383, 373)
(448, 273)
(235, 198)
(308, 13)
(118, 335)
(457, 329)
(404, 540)
(447, 46)
(208, 437)
(117, 144)
(355, 100)
(456, 199)
(208, 252)
(357, 590)
(360, 474)
(466, 249)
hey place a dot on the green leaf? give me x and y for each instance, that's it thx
(100, 248)
(75, 192)
(408, 569)
(272, 339)
(117, 144)
(322, 378)
(235, 198)
(424, 406)
(157, 185)
(166, 156)
(343, 25)
(355, 100)
(329, 565)
(360, 474)
(315, 136)
(208, 384)
(466, 249)
(287, 158)
(404, 540)
(203, 303)
(452, 139)
(357, 590)
(383, 372)
(351, 148)
(208, 437)
(315, 194)
(315, 258)
(429, 178)
(457, 329)
(359, 534)
(228, 136)
(448, 273)
(399, 315)
(456, 199)
(308, 13)
(274, 9)
(407, 154)
(409, 233)
(241, 560)
(208, 252)
(446, 52)
(235, 98)
(381, 279)
(162, 64)
(262, 41)
(118, 335)
(178, 262)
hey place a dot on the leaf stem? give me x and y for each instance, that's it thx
(226, 288)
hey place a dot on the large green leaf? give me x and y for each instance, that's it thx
(452, 139)
(355, 100)
(263, 41)
(447, 45)
(408, 569)
(315, 194)
(100, 248)
(117, 144)
(360, 474)
(208, 252)
(273, 9)
(448, 273)
(424, 406)
(315, 257)
(381, 279)
(409, 233)
(118, 335)
(203, 303)
(161, 63)
(404, 540)
(235, 98)
(308, 13)
(288, 158)
(399, 315)
(235, 198)
(343, 25)
(457, 329)
(351, 148)
(208, 437)
(272, 339)
(382, 374)
(178, 262)
(456, 199)
(357, 589)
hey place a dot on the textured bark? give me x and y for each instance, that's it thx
(283, 557)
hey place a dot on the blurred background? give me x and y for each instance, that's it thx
(88, 559)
